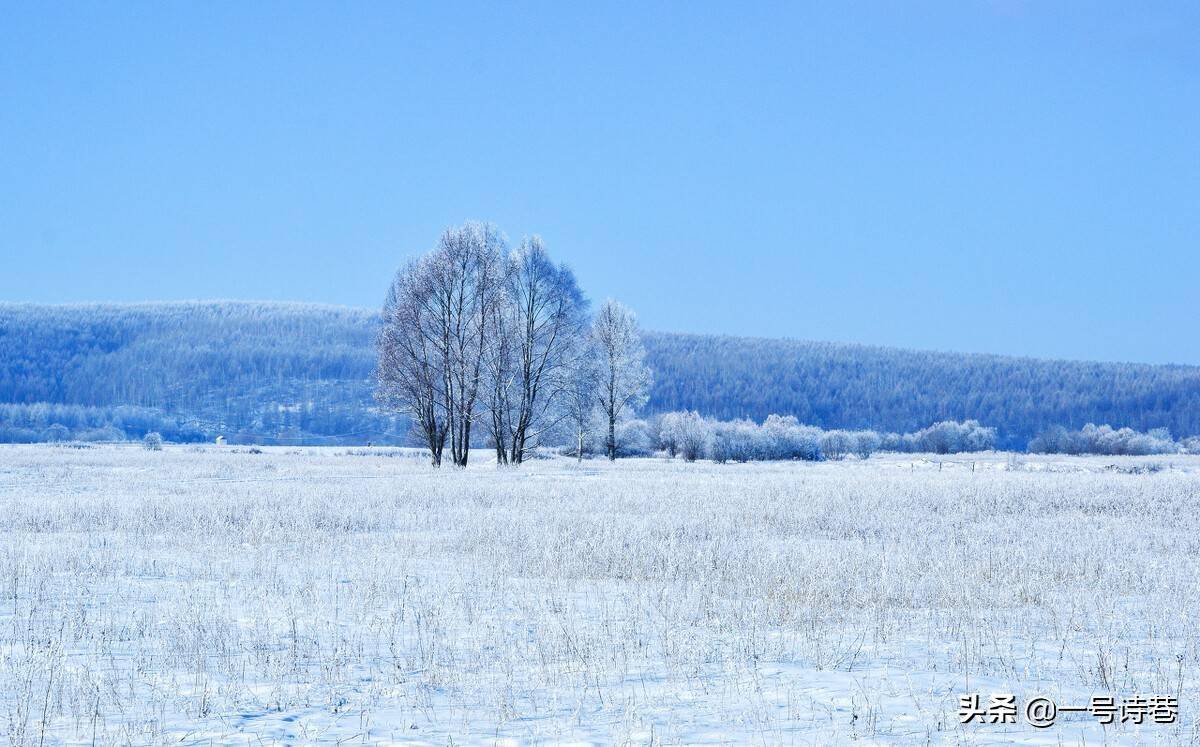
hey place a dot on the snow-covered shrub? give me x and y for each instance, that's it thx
(152, 441)
(683, 433)
(951, 437)
(733, 441)
(839, 444)
(1103, 439)
(892, 442)
(664, 432)
(633, 438)
(778, 438)
(836, 444)
(693, 436)
(56, 433)
(866, 443)
(107, 433)
(785, 438)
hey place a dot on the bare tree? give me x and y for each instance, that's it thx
(547, 320)
(409, 374)
(579, 396)
(623, 378)
(499, 374)
(466, 282)
(436, 336)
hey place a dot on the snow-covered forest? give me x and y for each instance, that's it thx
(301, 373)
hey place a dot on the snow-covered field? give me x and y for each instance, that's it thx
(205, 595)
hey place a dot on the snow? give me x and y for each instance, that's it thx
(202, 595)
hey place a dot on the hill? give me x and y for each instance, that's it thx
(299, 373)
(192, 370)
(836, 385)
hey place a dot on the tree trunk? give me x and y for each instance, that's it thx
(465, 443)
(431, 439)
(518, 445)
(610, 444)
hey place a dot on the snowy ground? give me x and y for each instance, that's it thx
(212, 595)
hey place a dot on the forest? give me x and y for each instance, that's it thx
(274, 373)
(287, 373)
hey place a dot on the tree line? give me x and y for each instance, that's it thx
(474, 333)
(253, 372)
(854, 387)
(302, 373)
(691, 436)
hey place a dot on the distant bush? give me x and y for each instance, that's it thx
(784, 438)
(951, 437)
(778, 438)
(866, 443)
(841, 444)
(684, 433)
(836, 444)
(56, 433)
(1104, 439)
(390, 452)
(633, 438)
(152, 441)
(690, 433)
(107, 433)
(735, 441)
(57, 422)
(1191, 445)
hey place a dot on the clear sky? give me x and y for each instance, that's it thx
(986, 176)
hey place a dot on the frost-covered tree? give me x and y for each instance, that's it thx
(623, 378)
(579, 395)
(499, 377)
(537, 335)
(684, 433)
(667, 433)
(435, 337)
(409, 375)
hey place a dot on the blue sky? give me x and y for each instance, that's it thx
(1003, 177)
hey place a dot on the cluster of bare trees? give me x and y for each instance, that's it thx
(477, 335)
